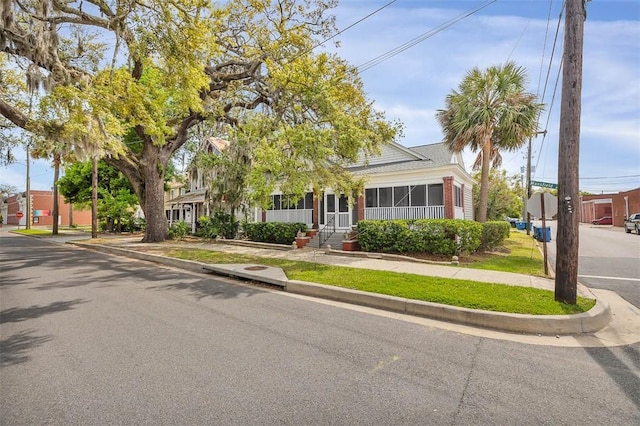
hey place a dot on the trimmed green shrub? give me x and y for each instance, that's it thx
(435, 236)
(206, 228)
(494, 233)
(178, 230)
(273, 232)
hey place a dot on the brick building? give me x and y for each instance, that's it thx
(41, 210)
(618, 206)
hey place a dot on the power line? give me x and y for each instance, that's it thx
(393, 52)
(544, 91)
(343, 30)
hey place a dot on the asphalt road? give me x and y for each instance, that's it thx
(92, 339)
(608, 259)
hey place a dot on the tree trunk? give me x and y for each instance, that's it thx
(153, 205)
(567, 239)
(484, 182)
(56, 206)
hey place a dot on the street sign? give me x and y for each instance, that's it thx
(19, 215)
(544, 184)
(534, 205)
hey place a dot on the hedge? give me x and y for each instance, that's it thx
(436, 236)
(273, 232)
(494, 234)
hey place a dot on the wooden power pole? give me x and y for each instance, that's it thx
(566, 283)
(94, 198)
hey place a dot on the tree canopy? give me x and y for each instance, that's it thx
(490, 112)
(165, 65)
(505, 195)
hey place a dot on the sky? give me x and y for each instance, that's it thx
(412, 85)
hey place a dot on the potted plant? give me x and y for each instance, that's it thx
(301, 239)
(350, 241)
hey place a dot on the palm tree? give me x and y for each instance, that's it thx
(490, 112)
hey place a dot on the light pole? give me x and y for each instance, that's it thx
(528, 218)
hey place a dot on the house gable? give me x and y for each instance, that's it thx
(391, 153)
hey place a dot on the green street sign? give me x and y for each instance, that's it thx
(544, 184)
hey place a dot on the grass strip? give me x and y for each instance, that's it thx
(522, 257)
(448, 291)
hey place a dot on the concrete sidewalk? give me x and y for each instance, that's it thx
(612, 322)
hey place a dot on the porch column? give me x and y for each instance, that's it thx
(360, 207)
(315, 212)
(448, 197)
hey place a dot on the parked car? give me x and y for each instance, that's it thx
(632, 223)
(605, 220)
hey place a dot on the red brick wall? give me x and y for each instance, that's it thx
(616, 209)
(43, 200)
(360, 207)
(448, 197)
(619, 208)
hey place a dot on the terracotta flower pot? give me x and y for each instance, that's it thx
(302, 241)
(350, 245)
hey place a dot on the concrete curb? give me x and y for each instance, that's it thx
(588, 322)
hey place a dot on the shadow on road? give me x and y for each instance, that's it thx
(625, 378)
(13, 350)
(35, 311)
(201, 288)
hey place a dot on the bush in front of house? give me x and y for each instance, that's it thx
(435, 236)
(178, 230)
(494, 233)
(206, 228)
(220, 224)
(273, 232)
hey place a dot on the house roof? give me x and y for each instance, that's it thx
(427, 156)
(196, 196)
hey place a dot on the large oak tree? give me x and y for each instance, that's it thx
(153, 69)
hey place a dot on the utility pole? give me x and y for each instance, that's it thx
(527, 218)
(566, 283)
(94, 198)
(28, 212)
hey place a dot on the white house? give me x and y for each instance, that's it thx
(186, 203)
(402, 183)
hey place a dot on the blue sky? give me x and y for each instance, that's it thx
(412, 85)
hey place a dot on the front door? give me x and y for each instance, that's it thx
(338, 209)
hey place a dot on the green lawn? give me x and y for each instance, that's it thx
(33, 231)
(521, 256)
(464, 293)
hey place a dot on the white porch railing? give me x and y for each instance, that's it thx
(390, 213)
(293, 215)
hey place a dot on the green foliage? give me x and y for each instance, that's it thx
(206, 228)
(273, 232)
(117, 202)
(490, 112)
(505, 195)
(178, 230)
(494, 234)
(246, 63)
(435, 236)
(221, 223)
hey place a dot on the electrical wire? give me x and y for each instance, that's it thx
(544, 90)
(393, 52)
(343, 30)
